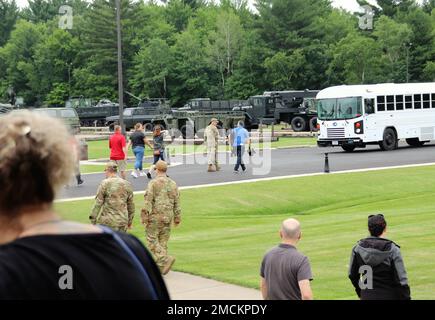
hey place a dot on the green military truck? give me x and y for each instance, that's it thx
(91, 114)
(185, 123)
(67, 115)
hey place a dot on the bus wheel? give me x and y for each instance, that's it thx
(313, 124)
(389, 141)
(415, 142)
(348, 147)
(298, 124)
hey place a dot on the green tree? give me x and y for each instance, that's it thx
(17, 59)
(8, 17)
(356, 60)
(393, 38)
(225, 45)
(151, 69)
(283, 70)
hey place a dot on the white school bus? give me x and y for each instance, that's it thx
(359, 115)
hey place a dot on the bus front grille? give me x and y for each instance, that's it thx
(335, 133)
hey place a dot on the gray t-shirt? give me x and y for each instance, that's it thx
(282, 268)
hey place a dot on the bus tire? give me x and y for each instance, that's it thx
(298, 124)
(389, 141)
(313, 124)
(348, 147)
(415, 142)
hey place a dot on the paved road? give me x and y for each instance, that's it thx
(283, 162)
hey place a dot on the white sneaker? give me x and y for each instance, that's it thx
(142, 174)
(134, 174)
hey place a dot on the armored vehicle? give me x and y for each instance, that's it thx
(68, 115)
(293, 107)
(90, 114)
(148, 112)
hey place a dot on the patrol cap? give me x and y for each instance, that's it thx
(213, 119)
(111, 166)
(161, 166)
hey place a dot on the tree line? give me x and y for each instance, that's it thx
(197, 48)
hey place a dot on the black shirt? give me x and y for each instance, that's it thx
(101, 269)
(137, 139)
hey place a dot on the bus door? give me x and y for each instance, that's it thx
(370, 125)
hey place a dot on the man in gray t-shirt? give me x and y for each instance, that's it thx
(286, 273)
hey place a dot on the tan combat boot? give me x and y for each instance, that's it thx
(211, 168)
(168, 265)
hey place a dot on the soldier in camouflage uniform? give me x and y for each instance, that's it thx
(162, 206)
(211, 136)
(114, 206)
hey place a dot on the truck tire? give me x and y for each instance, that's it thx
(298, 124)
(415, 142)
(389, 141)
(348, 147)
(148, 126)
(313, 124)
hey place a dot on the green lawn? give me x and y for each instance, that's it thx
(226, 230)
(100, 149)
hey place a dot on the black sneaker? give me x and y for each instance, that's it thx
(149, 175)
(79, 182)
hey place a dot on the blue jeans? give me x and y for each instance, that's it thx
(161, 156)
(240, 151)
(138, 153)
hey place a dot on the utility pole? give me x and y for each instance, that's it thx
(120, 80)
(69, 80)
(408, 46)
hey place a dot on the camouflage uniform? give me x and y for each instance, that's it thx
(211, 135)
(162, 206)
(114, 206)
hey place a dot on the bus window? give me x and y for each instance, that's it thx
(408, 102)
(433, 100)
(399, 102)
(426, 101)
(390, 103)
(369, 106)
(417, 101)
(381, 103)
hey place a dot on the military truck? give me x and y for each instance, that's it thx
(185, 123)
(148, 112)
(296, 108)
(90, 114)
(67, 115)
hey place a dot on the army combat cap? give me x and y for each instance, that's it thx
(161, 166)
(111, 166)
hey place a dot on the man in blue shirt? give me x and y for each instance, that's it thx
(239, 137)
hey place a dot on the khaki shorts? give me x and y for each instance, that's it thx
(122, 164)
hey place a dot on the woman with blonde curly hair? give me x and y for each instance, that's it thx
(43, 256)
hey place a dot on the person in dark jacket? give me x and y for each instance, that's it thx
(376, 267)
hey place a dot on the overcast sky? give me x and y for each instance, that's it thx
(350, 5)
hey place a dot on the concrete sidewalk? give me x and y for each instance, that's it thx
(183, 286)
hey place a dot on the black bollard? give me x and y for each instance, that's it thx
(326, 163)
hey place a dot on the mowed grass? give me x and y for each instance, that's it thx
(100, 149)
(226, 230)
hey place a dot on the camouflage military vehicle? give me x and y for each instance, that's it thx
(68, 115)
(90, 114)
(185, 123)
(148, 112)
